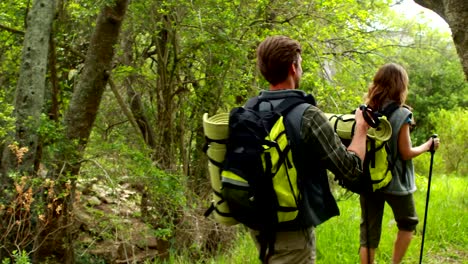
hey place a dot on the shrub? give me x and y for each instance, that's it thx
(451, 126)
(7, 121)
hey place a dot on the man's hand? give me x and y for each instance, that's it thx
(360, 121)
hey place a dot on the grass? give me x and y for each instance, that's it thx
(446, 238)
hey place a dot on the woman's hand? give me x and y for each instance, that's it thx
(433, 143)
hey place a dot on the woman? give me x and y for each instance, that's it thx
(390, 86)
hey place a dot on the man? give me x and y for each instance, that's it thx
(320, 149)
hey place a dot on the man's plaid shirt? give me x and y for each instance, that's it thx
(319, 137)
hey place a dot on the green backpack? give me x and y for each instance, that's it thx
(376, 163)
(259, 179)
(379, 160)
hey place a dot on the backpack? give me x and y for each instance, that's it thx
(258, 177)
(379, 161)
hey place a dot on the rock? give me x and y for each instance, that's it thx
(93, 201)
(106, 250)
(112, 229)
(108, 199)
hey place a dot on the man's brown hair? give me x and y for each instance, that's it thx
(274, 57)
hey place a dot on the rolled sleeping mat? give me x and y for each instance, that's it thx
(344, 127)
(216, 130)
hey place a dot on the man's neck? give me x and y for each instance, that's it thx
(286, 85)
(276, 88)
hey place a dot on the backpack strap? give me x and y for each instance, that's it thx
(252, 102)
(206, 146)
(390, 109)
(294, 121)
(288, 104)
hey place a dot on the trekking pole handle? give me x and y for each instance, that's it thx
(432, 150)
(371, 119)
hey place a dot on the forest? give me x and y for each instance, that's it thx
(101, 106)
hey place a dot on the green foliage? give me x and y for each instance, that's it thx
(7, 121)
(436, 79)
(89, 259)
(13, 13)
(422, 164)
(242, 251)
(452, 128)
(116, 161)
(18, 257)
(21, 257)
(50, 131)
(56, 147)
(446, 229)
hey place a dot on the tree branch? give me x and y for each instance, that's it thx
(12, 30)
(123, 106)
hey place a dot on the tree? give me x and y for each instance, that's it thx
(454, 12)
(19, 156)
(30, 89)
(79, 121)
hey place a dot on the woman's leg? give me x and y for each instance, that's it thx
(405, 215)
(401, 245)
(366, 256)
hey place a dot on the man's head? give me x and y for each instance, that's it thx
(279, 58)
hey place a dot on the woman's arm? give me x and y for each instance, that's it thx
(407, 151)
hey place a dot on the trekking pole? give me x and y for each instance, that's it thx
(367, 233)
(427, 197)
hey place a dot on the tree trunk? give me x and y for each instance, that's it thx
(30, 89)
(455, 13)
(79, 120)
(93, 80)
(165, 117)
(29, 100)
(134, 98)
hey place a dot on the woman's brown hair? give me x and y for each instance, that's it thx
(390, 84)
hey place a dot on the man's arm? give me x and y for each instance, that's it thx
(319, 136)
(358, 143)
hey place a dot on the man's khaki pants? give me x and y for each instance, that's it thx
(295, 247)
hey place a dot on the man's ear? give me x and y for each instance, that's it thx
(293, 69)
